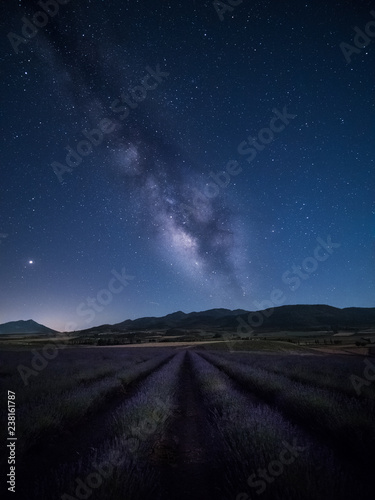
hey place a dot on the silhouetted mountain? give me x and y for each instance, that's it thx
(311, 317)
(29, 326)
(193, 320)
(295, 317)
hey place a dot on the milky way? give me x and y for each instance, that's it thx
(195, 232)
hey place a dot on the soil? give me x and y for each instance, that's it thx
(185, 459)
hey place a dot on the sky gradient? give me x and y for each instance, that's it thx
(185, 156)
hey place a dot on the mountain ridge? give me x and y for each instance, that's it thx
(22, 326)
(286, 317)
(299, 316)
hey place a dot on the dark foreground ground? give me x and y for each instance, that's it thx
(223, 418)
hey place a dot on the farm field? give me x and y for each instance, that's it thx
(191, 422)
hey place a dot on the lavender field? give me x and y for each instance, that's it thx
(177, 423)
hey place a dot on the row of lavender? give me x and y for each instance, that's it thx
(267, 453)
(121, 466)
(336, 372)
(71, 387)
(347, 420)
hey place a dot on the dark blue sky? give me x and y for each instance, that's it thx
(156, 102)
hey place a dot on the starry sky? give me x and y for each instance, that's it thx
(164, 156)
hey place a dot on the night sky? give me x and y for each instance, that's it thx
(165, 155)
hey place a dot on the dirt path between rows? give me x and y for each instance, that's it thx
(186, 460)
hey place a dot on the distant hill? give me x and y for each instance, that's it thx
(179, 319)
(24, 327)
(315, 317)
(294, 317)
